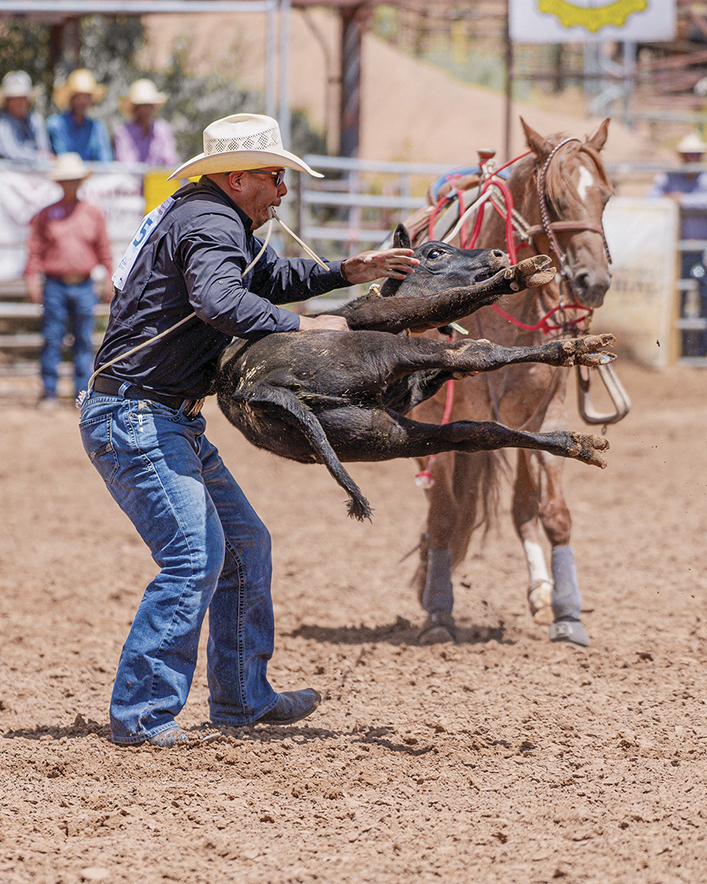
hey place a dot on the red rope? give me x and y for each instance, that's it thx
(544, 323)
(424, 478)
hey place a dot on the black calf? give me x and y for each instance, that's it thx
(327, 397)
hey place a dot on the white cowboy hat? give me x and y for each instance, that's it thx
(242, 141)
(68, 167)
(141, 92)
(16, 84)
(691, 143)
(78, 82)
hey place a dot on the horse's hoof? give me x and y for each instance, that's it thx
(438, 628)
(540, 603)
(570, 632)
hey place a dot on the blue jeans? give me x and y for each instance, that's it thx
(214, 554)
(72, 307)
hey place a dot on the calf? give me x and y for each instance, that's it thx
(327, 397)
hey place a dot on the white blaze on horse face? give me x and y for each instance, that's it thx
(586, 182)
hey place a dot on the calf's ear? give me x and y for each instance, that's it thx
(401, 238)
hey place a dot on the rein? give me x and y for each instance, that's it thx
(516, 223)
(492, 187)
(424, 479)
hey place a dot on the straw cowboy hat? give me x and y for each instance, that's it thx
(242, 141)
(68, 167)
(141, 92)
(78, 82)
(16, 84)
(692, 143)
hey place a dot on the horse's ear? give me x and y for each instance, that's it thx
(535, 142)
(401, 238)
(598, 140)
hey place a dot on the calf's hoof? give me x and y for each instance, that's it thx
(571, 632)
(540, 603)
(438, 628)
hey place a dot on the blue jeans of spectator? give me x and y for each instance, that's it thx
(67, 307)
(214, 555)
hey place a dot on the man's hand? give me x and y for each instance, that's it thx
(326, 321)
(35, 289)
(368, 266)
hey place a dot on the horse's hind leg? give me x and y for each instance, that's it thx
(434, 574)
(525, 517)
(538, 494)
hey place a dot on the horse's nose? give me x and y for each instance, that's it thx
(591, 286)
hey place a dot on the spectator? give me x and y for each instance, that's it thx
(73, 131)
(688, 188)
(145, 139)
(66, 241)
(23, 135)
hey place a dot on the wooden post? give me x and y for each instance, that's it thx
(353, 21)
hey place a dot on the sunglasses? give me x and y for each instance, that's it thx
(279, 176)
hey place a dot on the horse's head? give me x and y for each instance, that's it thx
(570, 190)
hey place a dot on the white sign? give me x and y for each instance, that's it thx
(639, 308)
(579, 21)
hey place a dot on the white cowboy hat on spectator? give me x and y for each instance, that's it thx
(141, 92)
(691, 143)
(242, 141)
(17, 84)
(78, 82)
(68, 167)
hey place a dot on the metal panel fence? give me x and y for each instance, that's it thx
(355, 207)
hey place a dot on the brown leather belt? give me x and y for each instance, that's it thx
(72, 279)
(112, 387)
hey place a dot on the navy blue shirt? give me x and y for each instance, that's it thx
(194, 260)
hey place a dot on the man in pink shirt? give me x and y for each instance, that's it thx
(144, 139)
(66, 241)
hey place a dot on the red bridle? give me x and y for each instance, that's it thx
(491, 183)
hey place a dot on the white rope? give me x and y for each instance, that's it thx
(273, 214)
(312, 255)
(472, 208)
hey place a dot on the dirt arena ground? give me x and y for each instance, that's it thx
(501, 758)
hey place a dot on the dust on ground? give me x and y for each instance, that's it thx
(500, 758)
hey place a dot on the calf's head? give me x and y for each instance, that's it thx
(442, 267)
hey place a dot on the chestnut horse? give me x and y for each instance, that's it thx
(559, 189)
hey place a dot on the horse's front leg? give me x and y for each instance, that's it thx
(538, 495)
(525, 512)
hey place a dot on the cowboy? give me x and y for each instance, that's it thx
(144, 139)
(74, 130)
(688, 188)
(194, 276)
(67, 240)
(23, 135)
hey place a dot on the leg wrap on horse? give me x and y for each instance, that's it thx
(566, 599)
(438, 594)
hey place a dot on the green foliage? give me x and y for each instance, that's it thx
(27, 47)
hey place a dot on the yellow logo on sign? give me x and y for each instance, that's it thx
(614, 13)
